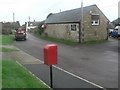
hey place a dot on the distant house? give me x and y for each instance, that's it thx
(66, 24)
(116, 22)
(32, 25)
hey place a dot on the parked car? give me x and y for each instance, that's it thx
(110, 31)
(20, 34)
(116, 32)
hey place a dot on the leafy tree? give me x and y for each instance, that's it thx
(40, 28)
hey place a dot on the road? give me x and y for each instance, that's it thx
(96, 63)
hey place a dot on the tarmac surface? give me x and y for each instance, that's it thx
(99, 66)
(97, 63)
(61, 79)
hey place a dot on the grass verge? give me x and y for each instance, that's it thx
(3, 49)
(0, 74)
(15, 76)
(63, 41)
(68, 42)
(6, 39)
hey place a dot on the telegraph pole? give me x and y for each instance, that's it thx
(29, 18)
(81, 24)
(13, 17)
(13, 20)
(119, 20)
(81, 20)
(28, 23)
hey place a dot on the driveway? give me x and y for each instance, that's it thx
(96, 63)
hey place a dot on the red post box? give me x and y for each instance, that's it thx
(50, 54)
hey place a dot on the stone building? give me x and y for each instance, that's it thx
(67, 24)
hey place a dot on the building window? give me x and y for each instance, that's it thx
(73, 27)
(95, 19)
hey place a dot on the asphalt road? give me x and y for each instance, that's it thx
(96, 63)
(60, 79)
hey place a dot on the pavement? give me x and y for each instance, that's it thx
(61, 78)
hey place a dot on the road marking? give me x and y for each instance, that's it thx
(71, 74)
(80, 78)
(77, 76)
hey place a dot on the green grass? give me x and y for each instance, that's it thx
(0, 74)
(68, 42)
(3, 49)
(0, 39)
(6, 39)
(15, 76)
(63, 41)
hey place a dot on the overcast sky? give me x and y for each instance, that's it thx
(39, 9)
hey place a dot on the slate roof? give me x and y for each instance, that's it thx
(68, 16)
(117, 21)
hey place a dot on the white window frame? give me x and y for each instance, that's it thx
(95, 22)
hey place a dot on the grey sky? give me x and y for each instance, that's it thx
(39, 9)
(119, 9)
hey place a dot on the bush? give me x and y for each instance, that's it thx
(40, 28)
(6, 31)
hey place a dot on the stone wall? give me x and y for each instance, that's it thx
(98, 32)
(62, 31)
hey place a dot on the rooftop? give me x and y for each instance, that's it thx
(68, 16)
